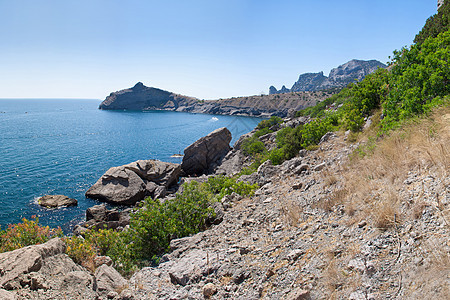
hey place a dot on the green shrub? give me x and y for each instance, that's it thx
(269, 123)
(252, 146)
(29, 232)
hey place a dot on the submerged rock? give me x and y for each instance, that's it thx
(206, 153)
(131, 183)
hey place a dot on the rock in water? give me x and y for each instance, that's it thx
(52, 201)
(204, 155)
(131, 183)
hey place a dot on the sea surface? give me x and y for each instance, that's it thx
(62, 146)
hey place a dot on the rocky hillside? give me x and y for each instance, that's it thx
(354, 70)
(141, 97)
(326, 224)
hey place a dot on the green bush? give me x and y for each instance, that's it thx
(252, 146)
(269, 123)
(29, 232)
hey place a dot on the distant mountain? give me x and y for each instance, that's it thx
(339, 77)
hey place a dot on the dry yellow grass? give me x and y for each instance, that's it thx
(374, 181)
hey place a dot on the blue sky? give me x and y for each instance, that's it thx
(208, 49)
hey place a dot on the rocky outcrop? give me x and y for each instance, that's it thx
(46, 272)
(131, 183)
(141, 97)
(53, 201)
(99, 217)
(354, 70)
(206, 153)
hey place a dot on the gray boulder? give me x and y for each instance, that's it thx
(131, 183)
(108, 279)
(15, 264)
(206, 153)
(53, 201)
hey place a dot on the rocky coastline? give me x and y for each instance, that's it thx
(292, 240)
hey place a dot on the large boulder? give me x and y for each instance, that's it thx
(53, 201)
(131, 183)
(15, 264)
(206, 153)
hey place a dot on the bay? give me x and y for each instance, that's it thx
(62, 146)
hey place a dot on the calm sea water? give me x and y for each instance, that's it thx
(61, 146)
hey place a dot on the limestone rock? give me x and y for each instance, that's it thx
(209, 289)
(108, 279)
(53, 201)
(25, 260)
(5, 295)
(205, 154)
(131, 183)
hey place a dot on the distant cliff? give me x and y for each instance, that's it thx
(339, 77)
(141, 97)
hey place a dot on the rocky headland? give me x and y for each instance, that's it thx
(141, 97)
(354, 70)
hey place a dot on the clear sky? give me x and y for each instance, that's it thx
(203, 48)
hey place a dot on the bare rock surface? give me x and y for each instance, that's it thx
(99, 217)
(206, 153)
(45, 272)
(131, 183)
(53, 201)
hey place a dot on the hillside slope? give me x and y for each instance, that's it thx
(325, 226)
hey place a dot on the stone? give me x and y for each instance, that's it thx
(102, 260)
(295, 254)
(108, 279)
(53, 201)
(297, 185)
(6, 295)
(301, 168)
(209, 289)
(326, 137)
(131, 183)
(320, 166)
(96, 212)
(99, 217)
(77, 280)
(299, 294)
(206, 153)
(15, 263)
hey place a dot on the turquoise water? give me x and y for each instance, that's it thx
(62, 146)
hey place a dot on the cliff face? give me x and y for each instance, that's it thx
(141, 97)
(339, 77)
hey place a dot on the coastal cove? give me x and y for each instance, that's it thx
(62, 146)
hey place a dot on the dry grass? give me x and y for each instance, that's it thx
(420, 147)
(336, 198)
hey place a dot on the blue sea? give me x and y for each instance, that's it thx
(62, 146)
